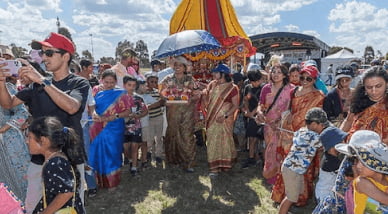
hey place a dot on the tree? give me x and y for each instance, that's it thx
(87, 55)
(122, 45)
(64, 31)
(109, 60)
(142, 51)
(369, 54)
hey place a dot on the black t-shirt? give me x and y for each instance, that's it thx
(41, 105)
(254, 96)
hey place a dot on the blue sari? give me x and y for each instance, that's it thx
(107, 137)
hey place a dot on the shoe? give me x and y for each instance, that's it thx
(158, 160)
(189, 170)
(134, 172)
(144, 165)
(126, 161)
(247, 163)
(213, 174)
(92, 193)
(149, 156)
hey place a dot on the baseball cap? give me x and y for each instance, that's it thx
(367, 146)
(317, 115)
(155, 62)
(310, 70)
(331, 136)
(344, 71)
(55, 40)
(222, 68)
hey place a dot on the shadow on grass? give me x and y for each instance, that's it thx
(171, 190)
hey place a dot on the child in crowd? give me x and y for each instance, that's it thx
(48, 137)
(371, 186)
(306, 142)
(133, 134)
(251, 103)
(330, 162)
(155, 111)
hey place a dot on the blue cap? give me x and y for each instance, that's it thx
(222, 68)
(332, 136)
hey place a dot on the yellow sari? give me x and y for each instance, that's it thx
(221, 151)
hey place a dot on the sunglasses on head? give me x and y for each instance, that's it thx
(308, 79)
(48, 53)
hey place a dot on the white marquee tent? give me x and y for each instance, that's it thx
(342, 57)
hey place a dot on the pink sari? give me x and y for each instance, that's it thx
(272, 159)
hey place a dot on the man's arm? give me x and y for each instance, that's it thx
(64, 101)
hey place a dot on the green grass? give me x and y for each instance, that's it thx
(171, 190)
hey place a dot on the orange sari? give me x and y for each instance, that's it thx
(374, 118)
(299, 107)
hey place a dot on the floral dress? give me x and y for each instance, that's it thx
(58, 178)
(14, 155)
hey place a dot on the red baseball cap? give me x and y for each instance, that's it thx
(311, 70)
(55, 40)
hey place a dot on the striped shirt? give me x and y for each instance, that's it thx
(157, 111)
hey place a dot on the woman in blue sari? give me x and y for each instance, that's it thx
(107, 131)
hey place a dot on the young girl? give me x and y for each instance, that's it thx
(371, 185)
(48, 137)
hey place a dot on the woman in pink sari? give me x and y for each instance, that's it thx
(274, 100)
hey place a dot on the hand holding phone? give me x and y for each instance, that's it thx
(13, 66)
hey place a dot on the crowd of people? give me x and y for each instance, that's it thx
(81, 128)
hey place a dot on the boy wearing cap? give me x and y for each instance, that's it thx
(63, 96)
(306, 142)
(330, 162)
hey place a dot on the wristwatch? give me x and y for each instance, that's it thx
(46, 82)
(226, 116)
(117, 116)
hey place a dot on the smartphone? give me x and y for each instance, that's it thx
(13, 66)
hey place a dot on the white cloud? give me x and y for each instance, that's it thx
(292, 28)
(358, 24)
(260, 16)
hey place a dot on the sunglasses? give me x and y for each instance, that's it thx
(48, 53)
(308, 79)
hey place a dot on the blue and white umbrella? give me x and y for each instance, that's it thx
(188, 41)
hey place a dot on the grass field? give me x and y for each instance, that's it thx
(169, 189)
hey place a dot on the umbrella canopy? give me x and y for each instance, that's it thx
(188, 41)
(218, 18)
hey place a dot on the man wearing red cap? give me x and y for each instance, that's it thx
(63, 96)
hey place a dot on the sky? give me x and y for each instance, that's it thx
(353, 24)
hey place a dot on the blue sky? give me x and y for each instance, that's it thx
(353, 24)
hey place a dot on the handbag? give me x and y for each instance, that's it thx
(67, 210)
